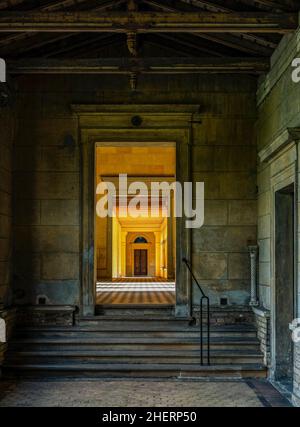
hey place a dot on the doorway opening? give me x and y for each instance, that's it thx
(136, 255)
(284, 282)
(140, 262)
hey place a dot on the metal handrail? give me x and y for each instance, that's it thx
(203, 298)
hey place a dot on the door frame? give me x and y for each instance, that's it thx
(283, 170)
(158, 125)
(284, 191)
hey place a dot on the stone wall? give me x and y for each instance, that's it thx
(47, 177)
(278, 146)
(278, 109)
(7, 126)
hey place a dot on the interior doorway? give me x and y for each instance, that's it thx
(284, 281)
(136, 255)
(140, 262)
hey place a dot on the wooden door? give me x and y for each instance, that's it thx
(140, 262)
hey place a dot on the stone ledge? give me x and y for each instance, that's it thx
(60, 315)
(261, 312)
(228, 315)
(262, 320)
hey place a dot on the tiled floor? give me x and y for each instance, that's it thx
(137, 291)
(143, 393)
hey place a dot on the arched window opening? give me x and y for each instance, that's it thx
(140, 239)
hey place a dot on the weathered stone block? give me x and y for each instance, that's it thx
(27, 267)
(42, 185)
(215, 212)
(27, 212)
(47, 239)
(210, 239)
(238, 185)
(225, 131)
(5, 223)
(264, 204)
(202, 158)
(5, 203)
(5, 181)
(242, 212)
(264, 227)
(4, 272)
(5, 248)
(265, 296)
(235, 158)
(263, 179)
(61, 158)
(227, 185)
(45, 131)
(60, 266)
(46, 315)
(6, 157)
(239, 266)
(264, 273)
(210, 265)
(264, 250)
(59, 212)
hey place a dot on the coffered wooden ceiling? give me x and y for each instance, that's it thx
(151, 36)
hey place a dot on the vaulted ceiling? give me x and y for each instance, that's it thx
(148, 35)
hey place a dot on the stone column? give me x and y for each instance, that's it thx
(253, 249)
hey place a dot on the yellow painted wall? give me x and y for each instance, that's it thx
(136, 161)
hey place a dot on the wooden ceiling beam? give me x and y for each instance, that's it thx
(12, 38)
(179, 42)
(268, 5)
(4, 4)
(247, 37)
(243, 42)
(145, 22)
(185, 65)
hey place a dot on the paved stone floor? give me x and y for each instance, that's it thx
(139, 393)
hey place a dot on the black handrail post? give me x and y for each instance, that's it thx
(208, 332)
(206, 298)
(201, 329)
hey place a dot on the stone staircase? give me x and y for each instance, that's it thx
(146, 347)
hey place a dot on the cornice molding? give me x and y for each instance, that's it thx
(173, 109)
(286, 138)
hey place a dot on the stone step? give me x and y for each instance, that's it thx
(172, 334)
(134, 311)
(190, 357)
(49, 345)
(140, 317)
(134, 370)
(124, 325)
